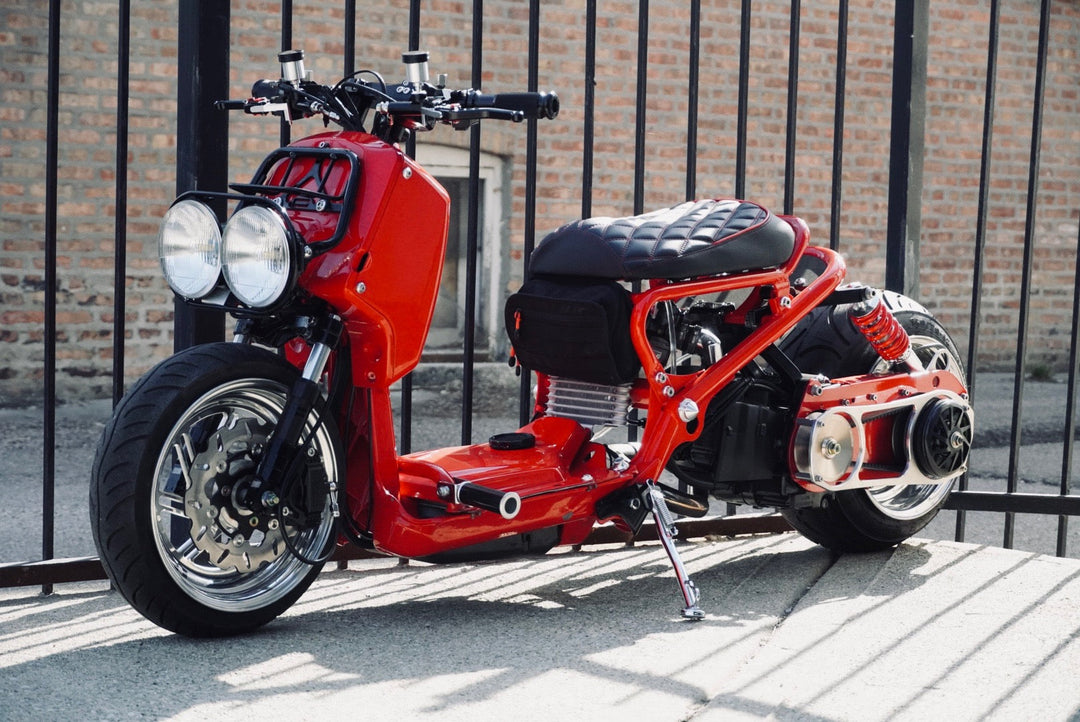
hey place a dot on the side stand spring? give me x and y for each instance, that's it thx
(666, 531)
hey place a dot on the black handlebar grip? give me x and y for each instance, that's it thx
(533, 105)
(506, 504)
(230, 104)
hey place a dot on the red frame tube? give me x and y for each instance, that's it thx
(371, 280)
(665, 430)
(564, 475)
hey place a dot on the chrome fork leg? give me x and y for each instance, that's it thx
(666, 530)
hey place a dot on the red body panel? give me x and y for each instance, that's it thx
(383, 278)
(559, 481)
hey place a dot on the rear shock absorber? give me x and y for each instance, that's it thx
(878, 324)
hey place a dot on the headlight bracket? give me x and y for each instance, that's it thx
(222, 298)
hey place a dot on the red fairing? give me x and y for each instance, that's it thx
(382, 278)
(559, 481)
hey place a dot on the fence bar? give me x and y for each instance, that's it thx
(692, 92)
(744, 99)
(1029, 254)
(1070, 408)
(742, 121)
(989, 102)
(123, 62)
(202, 135)
(838, 125)
(640, 113)
(1012, 503)
(640, 107)
(51, 571)
(405, 437)
(472, 235)
(48, 477)
(350, 38)
(588, 128)
(792, 107)
(529, 242)
(348, 67)
(284, 128)
(86, 569)
(906, 147)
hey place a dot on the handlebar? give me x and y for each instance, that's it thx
(409, 106)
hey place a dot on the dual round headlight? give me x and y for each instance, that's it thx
(189, 246)
(253, 253)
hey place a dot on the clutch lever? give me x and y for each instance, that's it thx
(266, 108)
(256, 106)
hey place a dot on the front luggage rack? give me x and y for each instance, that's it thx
(294, 196)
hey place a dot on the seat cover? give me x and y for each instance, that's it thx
(698, 238)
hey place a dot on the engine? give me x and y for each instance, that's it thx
(576, 334)
(741, 453)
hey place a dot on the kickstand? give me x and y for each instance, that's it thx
(666, 530)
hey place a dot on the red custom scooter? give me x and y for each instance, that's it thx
(228, 474)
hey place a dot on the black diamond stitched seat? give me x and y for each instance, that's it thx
(700, 238)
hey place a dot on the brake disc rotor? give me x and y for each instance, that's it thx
(231, 536)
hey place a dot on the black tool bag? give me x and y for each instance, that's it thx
(573, 328)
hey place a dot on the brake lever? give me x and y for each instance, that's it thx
(462, 118)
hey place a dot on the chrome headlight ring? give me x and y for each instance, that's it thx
(189, 248)
(254, 271)
(259, 259)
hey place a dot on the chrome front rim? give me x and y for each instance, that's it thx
(220, 553)
(911, 502)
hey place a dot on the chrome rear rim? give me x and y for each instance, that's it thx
(911, 502)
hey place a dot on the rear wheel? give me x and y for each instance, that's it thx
(826, 342)
(165, 512)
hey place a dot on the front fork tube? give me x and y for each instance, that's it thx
(666, 531)
(281, 449)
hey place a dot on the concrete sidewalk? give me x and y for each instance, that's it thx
(931, 630)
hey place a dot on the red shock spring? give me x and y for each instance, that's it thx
(880, 327)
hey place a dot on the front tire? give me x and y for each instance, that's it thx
(163, 509)
(863, 520)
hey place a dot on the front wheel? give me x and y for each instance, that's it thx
(860, 520)
(164, 503)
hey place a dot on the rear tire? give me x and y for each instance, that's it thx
(165, 521)
(864, 520)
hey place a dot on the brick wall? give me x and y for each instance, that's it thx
(956, 80)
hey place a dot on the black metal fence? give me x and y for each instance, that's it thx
(203, 37)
